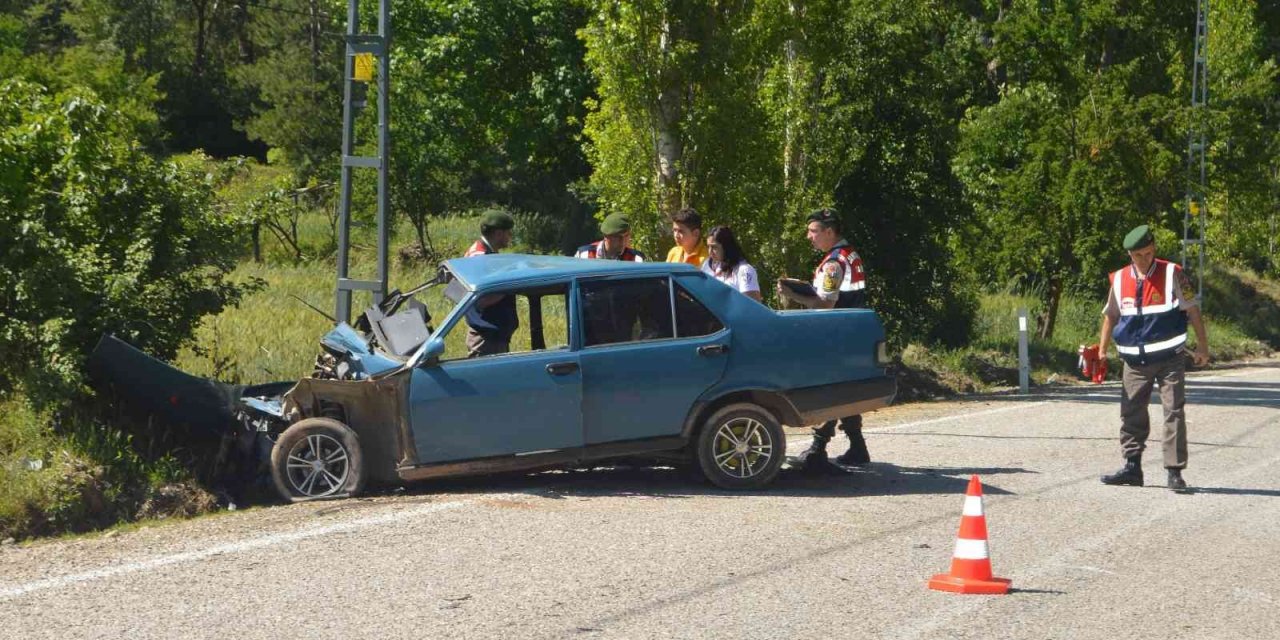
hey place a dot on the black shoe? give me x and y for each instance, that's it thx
(815, 463)
(1176, 482)
(856, 456)
(1130, 475)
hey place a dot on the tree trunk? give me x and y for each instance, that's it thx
(1049, 318)
(670, 148)
(201, 6)
(996, 72)
(792, 156)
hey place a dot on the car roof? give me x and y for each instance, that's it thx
(482, 272)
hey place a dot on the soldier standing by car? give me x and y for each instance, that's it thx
(1148, 306)
(493, 319)
(615, 245)
(839, 282)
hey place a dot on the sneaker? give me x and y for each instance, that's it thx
(1176, 482)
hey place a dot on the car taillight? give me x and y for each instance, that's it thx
(882, 354)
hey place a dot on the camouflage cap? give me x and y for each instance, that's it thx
(615, 223)
(1138, 238)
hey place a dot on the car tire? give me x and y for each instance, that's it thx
(317, 459)
(741, 446)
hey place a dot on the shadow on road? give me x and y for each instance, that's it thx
(876, 479)
(1235, 491)
(1157, 427)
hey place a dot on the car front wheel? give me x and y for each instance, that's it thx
(317, 458)
(741, 446)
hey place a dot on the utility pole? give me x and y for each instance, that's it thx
(358, 69)
(1193, 219)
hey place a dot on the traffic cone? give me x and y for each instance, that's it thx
(971, 563)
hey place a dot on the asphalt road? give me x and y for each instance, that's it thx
(647, 553)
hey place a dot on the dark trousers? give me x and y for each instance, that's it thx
(1136, 421)
(851, 426)
(480, 345)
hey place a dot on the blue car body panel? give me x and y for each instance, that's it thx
(347, 340)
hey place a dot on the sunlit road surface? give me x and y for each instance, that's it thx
(650, 553)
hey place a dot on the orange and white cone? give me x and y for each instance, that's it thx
(971, 562)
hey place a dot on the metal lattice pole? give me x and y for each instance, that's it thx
(1193, 219)
(358, 46)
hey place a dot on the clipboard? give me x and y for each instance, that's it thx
(799, 287)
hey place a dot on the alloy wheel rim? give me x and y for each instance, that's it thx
(317, 466)
(742, 448)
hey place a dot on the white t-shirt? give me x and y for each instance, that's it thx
(743, 277)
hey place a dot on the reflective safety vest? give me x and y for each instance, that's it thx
(1152, 327)
(593, 251)
(480, 248)
(853, 285)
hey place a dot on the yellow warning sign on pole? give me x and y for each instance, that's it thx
(364, 67)
(1195, 207)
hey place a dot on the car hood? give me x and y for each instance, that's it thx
(346, 340)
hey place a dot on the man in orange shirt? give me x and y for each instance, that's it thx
(686, 228)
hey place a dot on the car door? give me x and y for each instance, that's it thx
(526, 401)
(644, 364)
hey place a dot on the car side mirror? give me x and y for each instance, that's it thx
(433, 350)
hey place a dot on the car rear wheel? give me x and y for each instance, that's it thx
(315, 459)
(741, 446)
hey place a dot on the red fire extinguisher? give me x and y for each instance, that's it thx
(1092, 365)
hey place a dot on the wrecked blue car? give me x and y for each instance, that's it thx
(608, 360)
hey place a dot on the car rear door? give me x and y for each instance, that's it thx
(649, 350)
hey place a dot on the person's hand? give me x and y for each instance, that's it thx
(783, 292)
(1201, 356)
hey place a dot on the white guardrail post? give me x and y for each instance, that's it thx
(1024, 359)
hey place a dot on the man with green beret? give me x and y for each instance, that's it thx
(615, 245)
(495, 233)
(1148, 306)
(493, 319)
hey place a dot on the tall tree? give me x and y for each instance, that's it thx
(487, 107)
(1083, 143)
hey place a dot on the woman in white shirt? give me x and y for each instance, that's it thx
(727, 264)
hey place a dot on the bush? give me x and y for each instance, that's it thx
(99, 238)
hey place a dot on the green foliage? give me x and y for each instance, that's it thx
(99, 238)
(1082, 145)
(487, 107)
(297, 80)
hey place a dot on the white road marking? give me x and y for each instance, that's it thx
(151, 564)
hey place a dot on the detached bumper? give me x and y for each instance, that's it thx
(833, 401)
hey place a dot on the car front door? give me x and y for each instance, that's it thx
(644, 361)
(521, 402)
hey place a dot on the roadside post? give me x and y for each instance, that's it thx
(1024, 359)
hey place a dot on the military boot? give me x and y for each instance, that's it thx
(857, 455)
(814, 459)
(1176, 482)
(1130, 475)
